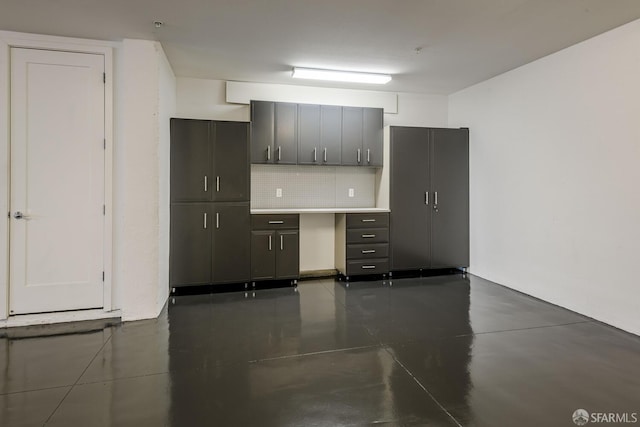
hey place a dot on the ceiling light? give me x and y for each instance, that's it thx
(340, 76)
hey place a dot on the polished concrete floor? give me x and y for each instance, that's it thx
(439, 351)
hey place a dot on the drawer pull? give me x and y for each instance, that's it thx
(368, 267)
(276, 222)
(368, 220)
(370, 251)
(368, 236)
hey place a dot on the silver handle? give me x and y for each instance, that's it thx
(281, 242)
(368, 155)
(279, 153)
(435, 199)
(269, 241)
(368, 236)
(206, 186)
(426, 198)
(358, 155)
(20, 215)
(217, 220)
(315, 152)
(217, 183)
(268, 152)
(276, 222)
(368, 220)
(368, 267)
(370, 251)
(325, 154)
(204, 218)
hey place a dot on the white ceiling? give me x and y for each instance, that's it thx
(462, 41)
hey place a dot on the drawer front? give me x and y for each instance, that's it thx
(372, 220)
(375, 250)
(368, 235)
(274, 222)
(370, 266)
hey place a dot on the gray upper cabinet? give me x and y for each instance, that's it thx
(286, 134)
(429, 195)
(372, 120)
(262, 127)
(309, 149)
(351, 136)
(191, 155)
(209, 161)
(330, 135)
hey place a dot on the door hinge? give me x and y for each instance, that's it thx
(104, 145)
(104, 77)
(104, 209)
(103, 276)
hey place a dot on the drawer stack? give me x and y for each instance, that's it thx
(362, 244)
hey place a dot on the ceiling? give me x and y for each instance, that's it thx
(429, 46)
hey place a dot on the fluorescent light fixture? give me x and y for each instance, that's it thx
(340, 76)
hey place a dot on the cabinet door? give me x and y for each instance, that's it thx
(410, 218)
(351, 136)
(372, 119)
(230, 178)
(450, 181)
(309, 134)
(190, 248)
(263, 255)
(286, 134)
(190, 161)
(231, 242)
(262, 131)
(330, 149)
(288, 254)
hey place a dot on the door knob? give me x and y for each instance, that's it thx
(20, 215)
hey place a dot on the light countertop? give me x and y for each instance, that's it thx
(316, 210)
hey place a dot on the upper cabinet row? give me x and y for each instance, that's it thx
(308, 134)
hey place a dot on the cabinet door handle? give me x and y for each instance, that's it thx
(368, 155)
(370, 251)
(204, 217)
(276, 222)
(368, 236)
(217, 220)
(368, 220)
(368, 267)
(268, 152)
(281, 242)
(315, 152)
(269, 241)
(218, 184)
(325, 154)
(279, 153)
(435, 199)
(426, 198)
(358, 155)
(206, 186)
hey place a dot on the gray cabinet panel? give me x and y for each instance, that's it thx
(230, 178)
(366, 251)
(368, 235)
(309, 151)
(190, 161)
(262, 131)
(367, 266)
(450, 180)
(190, 237)
(351, 136)
(330, 149)
(372, 151)
(274, 222)
(263, 255)
(287, 254)
(368, 220)
(231, 244)
(285, 134)
(410, 220)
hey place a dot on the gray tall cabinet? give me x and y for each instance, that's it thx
(210, 221)
(429, 196)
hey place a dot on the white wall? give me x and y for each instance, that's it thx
(554, 153)
(206, 99)
(145, 100)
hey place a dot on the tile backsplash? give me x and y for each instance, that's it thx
(312, 186)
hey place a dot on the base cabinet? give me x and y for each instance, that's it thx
(275, 247)
(362, 244)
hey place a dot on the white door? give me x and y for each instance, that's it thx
(57, 181)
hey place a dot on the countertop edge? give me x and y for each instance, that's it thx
(260, 211)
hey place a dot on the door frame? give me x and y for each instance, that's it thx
(9, 40)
